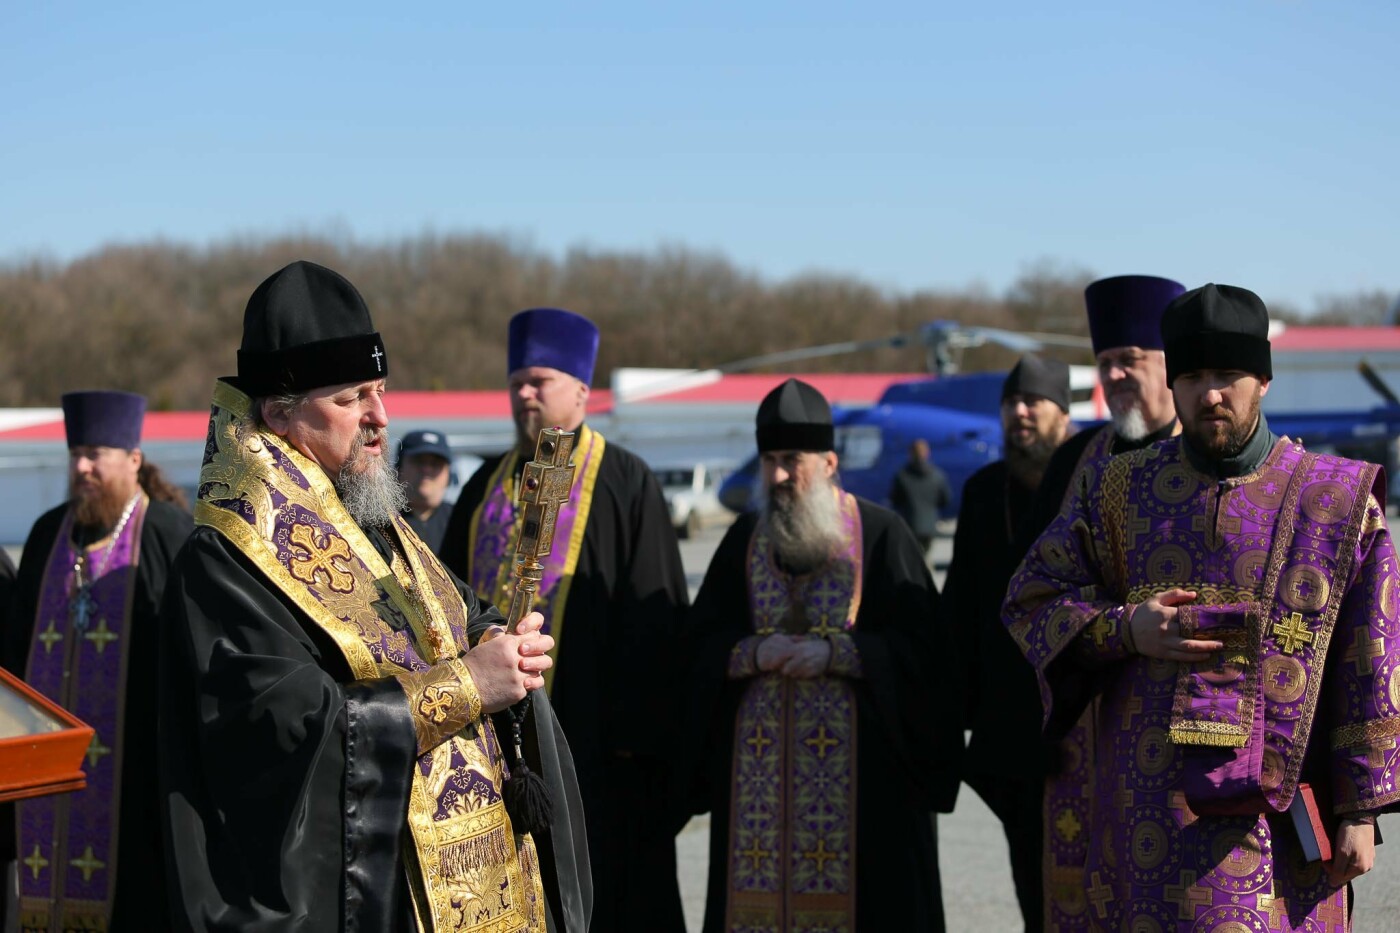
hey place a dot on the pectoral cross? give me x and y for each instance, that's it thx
(544, 488)
(80, 608)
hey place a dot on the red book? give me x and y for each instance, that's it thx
(1314, 828)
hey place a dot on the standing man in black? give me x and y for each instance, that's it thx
(920, 493)
(83, 631)
(1002, 699)
(612, 595)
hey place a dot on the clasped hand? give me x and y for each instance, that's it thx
(505, 666)
(802, 656)
(1156, 632)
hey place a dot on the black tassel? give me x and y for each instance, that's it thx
(526, 794)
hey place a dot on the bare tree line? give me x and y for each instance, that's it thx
(164, 319)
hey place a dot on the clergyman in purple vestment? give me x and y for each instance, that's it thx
(1228, 601)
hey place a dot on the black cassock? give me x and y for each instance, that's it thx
(138, 904)
(908, 716)
(286, 781)
(618, 649)
(1006, 759)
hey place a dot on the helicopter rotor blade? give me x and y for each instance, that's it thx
(807, 353)
(1377, 384)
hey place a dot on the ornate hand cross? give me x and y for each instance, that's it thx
(544, 488)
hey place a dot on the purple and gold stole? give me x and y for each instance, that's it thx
(68, 843)
(792, 818)
(469, 870)
(495, 527)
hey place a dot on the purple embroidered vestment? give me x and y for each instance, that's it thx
(1195, 765)
(68, 843)
(792, 816)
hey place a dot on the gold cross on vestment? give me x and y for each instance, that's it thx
(96, 750)
(435, 708)
(755, 853)
(49, 637)
(821, 742)
(1100, 894)
(1375, 752)
(101, 636)
(1275, 907)
(820, 856)
(1187, 895)
(1068, 825)
(1101, 629)
(1136, 525)
(320, 562)
(1363, 651)
(759, 741)
(1293, 632)
(87, 864)
(37, 862)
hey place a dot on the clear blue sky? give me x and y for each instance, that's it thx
(918, 144)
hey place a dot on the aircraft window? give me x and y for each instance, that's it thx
(859, 446)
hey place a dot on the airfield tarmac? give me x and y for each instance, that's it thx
(978, 896)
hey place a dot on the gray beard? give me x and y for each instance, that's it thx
(1131, 425)
(372, 496)
(806, 530)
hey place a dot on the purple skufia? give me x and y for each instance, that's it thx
(104, 419)
(556, 339)
(1126, 310)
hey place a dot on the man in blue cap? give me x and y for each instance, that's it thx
(1125, 315)
(425, 469)
(83, 632)
(612, 595)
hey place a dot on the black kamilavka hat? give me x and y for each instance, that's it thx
(306, 327)
(1217, 327)
(795, 416)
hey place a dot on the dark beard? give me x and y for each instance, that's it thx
(98, 511)
(1027, 464)
(1236, 436)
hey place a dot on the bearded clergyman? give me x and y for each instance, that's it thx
(818, 643)
(1223, 603)
(329, 759)
(1002, 702)
(87, 602)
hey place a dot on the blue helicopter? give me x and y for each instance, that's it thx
(959, 416)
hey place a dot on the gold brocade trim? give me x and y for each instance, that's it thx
(1114, 486)
(1207, 594)
(1363, 733)
(243, 468)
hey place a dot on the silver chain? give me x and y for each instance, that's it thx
(106, 555)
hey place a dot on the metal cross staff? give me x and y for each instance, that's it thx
(544, 488)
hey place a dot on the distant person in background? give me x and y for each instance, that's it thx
(425, 469)
(1003, 701)
(83, 632)
(920, 493)
(613, 598)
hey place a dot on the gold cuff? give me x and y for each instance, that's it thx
(442, 700)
